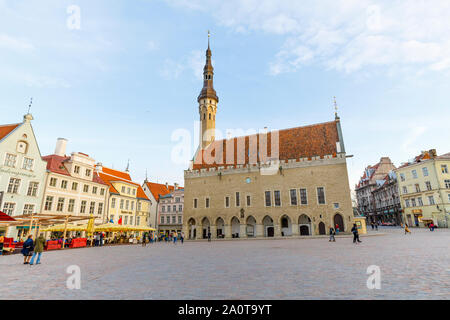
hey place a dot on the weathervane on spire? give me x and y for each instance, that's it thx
(335, 108)
(209, 36)
(128, 166)
(29, 106)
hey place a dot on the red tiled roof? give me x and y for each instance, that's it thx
(7, 128)
(117, 173)
(108, 176)
(55, 164)
(159, 189)
(295, 143)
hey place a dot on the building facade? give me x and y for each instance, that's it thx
(387, 201)
(153, 191)
(424, 185)
(72, 186)
(170, 211)
(372, 178)
(22, 173)
(127, 202)
(280, 183)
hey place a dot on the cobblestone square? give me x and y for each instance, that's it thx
(413, 266)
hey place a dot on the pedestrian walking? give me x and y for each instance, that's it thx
(407, 229)
(101, 239)
(27, 249)
(337, 228)
(144, 240)
(182, 237)
(175, 235)
(376, 226)
(332, 233)
(432, 226)
(355, 234)
(38, 249)
(372, 225)
(209, 236)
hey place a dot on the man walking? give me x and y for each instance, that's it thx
(182, 237)
(355, 234)
(38, 249)
(175, 235)
(209, 236)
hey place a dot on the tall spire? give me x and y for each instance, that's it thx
(208, 77)
(335, 109)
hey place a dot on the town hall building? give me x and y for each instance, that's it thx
(290, 182)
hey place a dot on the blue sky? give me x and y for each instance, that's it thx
(118, 87)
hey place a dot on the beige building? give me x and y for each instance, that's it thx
(170, 211)
(424, 185)
(72, 187)
(280, 183)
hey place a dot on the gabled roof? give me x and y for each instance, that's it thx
(111, 175)
(295, 143)
(55, 164)
(159, 189)
(7, 129)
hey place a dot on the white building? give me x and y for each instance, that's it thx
(22, 172)
(72, 186)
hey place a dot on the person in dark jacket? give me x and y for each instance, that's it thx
(355, 234)
(27, 249)
(38, 249)
(332, 233)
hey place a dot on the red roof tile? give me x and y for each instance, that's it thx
(159, 189)
(117, 173)
(6, 129)
(55, 164)
(109, 178)
(295, 143)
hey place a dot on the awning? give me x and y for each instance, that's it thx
(5, 217)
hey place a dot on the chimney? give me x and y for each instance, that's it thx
(167, 185)
(99, 167)
(60, 149)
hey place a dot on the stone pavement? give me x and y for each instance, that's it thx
(413, 266)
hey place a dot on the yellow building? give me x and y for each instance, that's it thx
(127, 203)
(424, 186)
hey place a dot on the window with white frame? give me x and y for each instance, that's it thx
(431, 200)
(10, 160)
(71, 206)
(48, 203)
(32, 189)
(8, 208)
(407, 203)
(163, 209)
(179, 220)
(419, 201)
(127, 204)
(88, 172)
(74, 186)
(94, 190)
(63, 184)
(53, 182)
(405, 190)
(402, 177)
(60, 205)
(132, 205)
(113, 203)
(13, 185)
(131, 220)
(102, 191)
(100, 208)
(126, 220)
(138, 221)
(162, 219)
(92, 207)
(86, 188)
(180, 208)
(76, 169)
(414, 174)
(428, 184)
(28, 209)
(174, 219)
(444, 168)
(425, 171)
(447, 183)
(83, 206)
(27, 164)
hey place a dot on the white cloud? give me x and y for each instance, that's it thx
(344, 35)
(194, 63)
(14, 43)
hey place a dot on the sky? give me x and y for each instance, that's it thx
(119, 79)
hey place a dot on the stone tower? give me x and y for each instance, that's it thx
(207, 103)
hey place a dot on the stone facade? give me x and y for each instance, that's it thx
(387, 201)
(252, 217)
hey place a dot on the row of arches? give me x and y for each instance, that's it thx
(249, 226)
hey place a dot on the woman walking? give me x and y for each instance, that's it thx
(38, 249)
(407, 229)
(27, 249)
